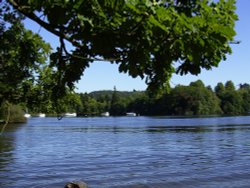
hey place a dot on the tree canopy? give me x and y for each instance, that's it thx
(26, 76)
(195, 99)
(23, 53)
(151, 39)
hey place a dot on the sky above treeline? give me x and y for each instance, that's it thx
(104, 75)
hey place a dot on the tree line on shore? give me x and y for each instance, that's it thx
(195, 99)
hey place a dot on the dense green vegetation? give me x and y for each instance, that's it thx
(151, 39)
(27, 80)
(146, 38)
(195, 99)
(13, 112)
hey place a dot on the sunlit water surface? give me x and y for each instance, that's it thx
(152, 152)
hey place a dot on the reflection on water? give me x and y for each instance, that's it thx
(7, 141)
(5, 151)
(127, 152)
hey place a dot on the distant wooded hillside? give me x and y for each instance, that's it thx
(195, 99)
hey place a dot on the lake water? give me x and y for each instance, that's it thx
(134, 152)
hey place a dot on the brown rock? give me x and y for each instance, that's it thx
(79, 184)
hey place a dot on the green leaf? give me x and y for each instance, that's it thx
(156, 23)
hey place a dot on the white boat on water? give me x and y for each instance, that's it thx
(105, 114)
(130, 114)
(41, 115)
(70, 115)
(26, 115)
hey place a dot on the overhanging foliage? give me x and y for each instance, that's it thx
(147, 38)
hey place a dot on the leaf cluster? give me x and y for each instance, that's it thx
(23, 53)
(151, 39)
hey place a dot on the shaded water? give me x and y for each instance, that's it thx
(127, 152)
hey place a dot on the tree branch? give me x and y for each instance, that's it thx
(45, 25)
(7, 118)
(49, 28)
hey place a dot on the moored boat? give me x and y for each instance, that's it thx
(70, 115)
(26, 115)
(130, 114)
(41, 115)
(105, 114)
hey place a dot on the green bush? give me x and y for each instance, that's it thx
(15, 111)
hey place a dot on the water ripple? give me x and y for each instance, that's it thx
(127, 152)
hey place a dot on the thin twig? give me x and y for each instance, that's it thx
(7, 119)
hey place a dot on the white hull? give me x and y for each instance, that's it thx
(41, 115)
(27, 115)
(70, 115)
(131, 114)
(105, 114)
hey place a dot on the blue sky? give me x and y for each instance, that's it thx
(104, 75)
